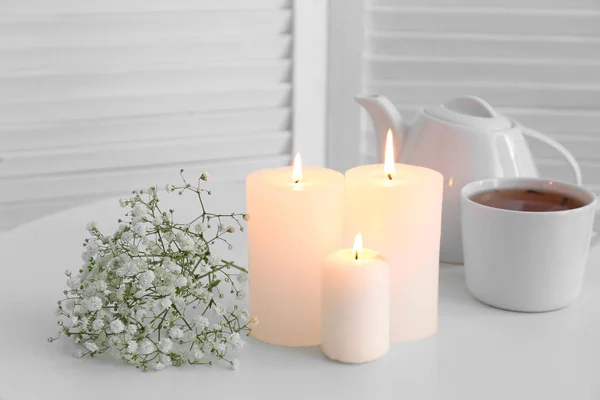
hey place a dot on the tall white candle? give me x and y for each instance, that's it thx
(399, 207)
(355, 302)
(296, 220)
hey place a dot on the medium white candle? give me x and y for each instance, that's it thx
(296, 220)
(399, 207)
(355, 302)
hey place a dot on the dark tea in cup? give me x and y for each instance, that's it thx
(528, 200)
(526, 241)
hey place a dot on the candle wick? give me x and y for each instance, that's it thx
(298, 180)
(356, 255)
(390, 177)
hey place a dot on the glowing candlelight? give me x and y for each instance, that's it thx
(297, 170)
(389, 167)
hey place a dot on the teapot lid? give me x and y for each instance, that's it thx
(470, 111)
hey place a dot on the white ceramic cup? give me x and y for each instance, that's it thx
(526, 261)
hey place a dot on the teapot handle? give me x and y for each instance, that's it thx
(558, 147)
(596, 231)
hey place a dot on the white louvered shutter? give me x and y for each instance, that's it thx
(538, 61)
(101, 97)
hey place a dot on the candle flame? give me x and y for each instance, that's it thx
(358, 246)
(451, 182)
(297, 171)
(389, 167)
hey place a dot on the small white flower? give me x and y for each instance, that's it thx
(73, 322)
(214, 260)
(236, 341)
(157, 221)
(132, 346)
(235, 364)
(93, 303)
(168, 236)
(242, 277)
(145, 279)
(139, 229)
(104, 314)
(221, 228)
(91, 346)
(127, 237)
(200, 227)
(158, 366)
(190, 335)
(217, 327)
(181, 281)
(171, 267)
(133, 249)
(240, 295)
(115, 353)
(97, 324)
(147, 347)
(254, 321)
(220, 310)
(91, 251)
(101, 286)
(164, 303)
(175, 333)
(74, 283)
(132, 329)
(154, 248)
(138, 210)
(196, 353)
(78, 310)
(166, 290)
(200, 321)
(230, 229)
(79, 353)
(91, 226)
(165, 345)
(179, 302)
(205, 176)
(169, 188)
(117, 326)
(165, 360)
(185, 242)
(123, 202)
(68, 305)
(121, 291)
(221, 347)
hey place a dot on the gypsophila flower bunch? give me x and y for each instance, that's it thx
(153, 293)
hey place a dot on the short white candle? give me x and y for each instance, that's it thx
(399, 208)
(355, 301)
(296, 220)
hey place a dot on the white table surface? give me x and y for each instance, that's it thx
(478, 353)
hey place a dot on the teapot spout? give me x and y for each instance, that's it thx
(385, 117)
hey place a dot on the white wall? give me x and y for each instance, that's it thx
(100, 98)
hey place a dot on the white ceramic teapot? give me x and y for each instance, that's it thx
(465, 139)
